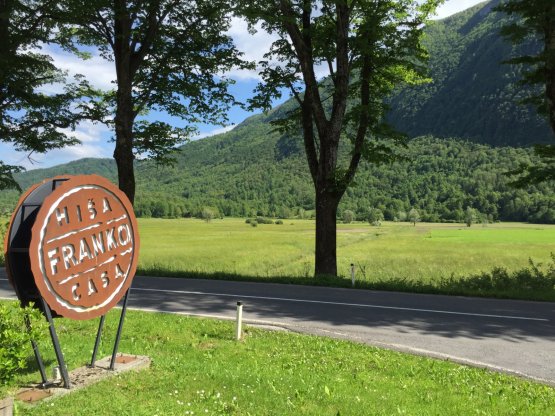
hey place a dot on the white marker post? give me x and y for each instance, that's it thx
(238, 330)
(353, 274)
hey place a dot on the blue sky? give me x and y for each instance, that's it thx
(95, 137)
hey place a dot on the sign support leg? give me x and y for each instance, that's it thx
(38, 357)
(120, 327)
(97, 342)
(56, 343)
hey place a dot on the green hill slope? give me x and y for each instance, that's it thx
(254, 171)
(472, 95)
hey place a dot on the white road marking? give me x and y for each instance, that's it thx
(359, 305)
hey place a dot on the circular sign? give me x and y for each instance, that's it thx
(84, 247)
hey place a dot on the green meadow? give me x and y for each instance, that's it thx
(398, 256)
(510, 260)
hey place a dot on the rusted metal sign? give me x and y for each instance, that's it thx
(83, 246)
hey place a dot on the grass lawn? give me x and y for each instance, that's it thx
(396, 256)
(198, 369)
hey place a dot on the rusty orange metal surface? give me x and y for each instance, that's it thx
(84, 247)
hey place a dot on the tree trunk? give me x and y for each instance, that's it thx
(550, 71)
(5, 49)
(326, 233)
(123, 153)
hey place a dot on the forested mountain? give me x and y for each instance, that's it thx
(472, 96)
(254, 170)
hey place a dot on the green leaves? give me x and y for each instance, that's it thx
(169, 56)
(543, 170)
(31, 119)
(15, 338)
(6, 176)
(158, 140)
(535, 19)
(365, 48)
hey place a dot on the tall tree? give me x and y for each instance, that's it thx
(167, 56)
(29, 118)
(535, 19)
(367, 47)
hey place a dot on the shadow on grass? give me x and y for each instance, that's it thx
(536, 282)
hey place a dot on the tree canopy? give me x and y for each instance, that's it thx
(30, 119)
(169, 56)
(536, 19)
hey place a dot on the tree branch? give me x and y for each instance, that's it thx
(363, 123)
(108, 33)
(342, 73)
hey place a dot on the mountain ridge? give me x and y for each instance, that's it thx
(473, 96)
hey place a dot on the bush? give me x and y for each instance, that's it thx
(538, 278)
(262, 220)
(248, 221)
(3, 230)
(253, 223)
(207, 214)
(348, 216)
(279, 222)
(375, 217)
(15, 340)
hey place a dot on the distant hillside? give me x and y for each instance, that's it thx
(472, 95)
(253, 171)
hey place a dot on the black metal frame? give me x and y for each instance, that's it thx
(56, 343)
(118, 335)
(58, 350)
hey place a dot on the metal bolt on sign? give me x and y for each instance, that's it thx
(72, 250)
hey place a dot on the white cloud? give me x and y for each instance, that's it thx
(94, 143)
(454, 6)
(214, 132)
(98, 71)
(253, 46)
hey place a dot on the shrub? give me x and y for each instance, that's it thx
(3, 230)
(413, 216)
(375, 217)
(253, 223)
(279, 222)
(535, 278)
(348, 216)
(248, 221)
(262, 220)
(207, 214)
(15, 340)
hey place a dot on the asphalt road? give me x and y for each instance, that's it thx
(512, 336)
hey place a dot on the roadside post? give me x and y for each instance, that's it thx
(239, 321)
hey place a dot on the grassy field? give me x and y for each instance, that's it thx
(428, 257)
(198, 369)
(433, 258)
